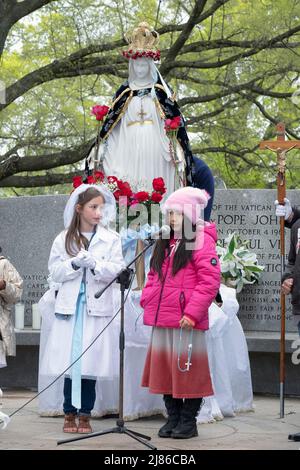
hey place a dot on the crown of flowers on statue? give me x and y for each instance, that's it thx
(142, 43)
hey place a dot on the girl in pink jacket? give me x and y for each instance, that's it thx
(182, 283)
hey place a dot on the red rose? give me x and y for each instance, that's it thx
(141, 196)
(156, 197)
(77, 181)
(125, 188)
(98, 175)
(112, 179)
(159, 185)
(168, 123)
(176, 121)
(172, 124)
(90, 180)
(117, 194)
(99, 111)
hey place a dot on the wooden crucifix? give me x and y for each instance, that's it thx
(281, 147)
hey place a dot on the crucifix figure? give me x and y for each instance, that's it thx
(281, 147)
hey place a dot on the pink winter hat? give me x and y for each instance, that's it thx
(189, 201)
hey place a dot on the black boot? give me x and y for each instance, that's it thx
(173, 406)
(294, 437)
(187, 426)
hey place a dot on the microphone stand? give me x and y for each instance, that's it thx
(123, 278)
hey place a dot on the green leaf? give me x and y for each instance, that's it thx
(231, 245)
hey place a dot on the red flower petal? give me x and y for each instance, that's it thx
(156, 197)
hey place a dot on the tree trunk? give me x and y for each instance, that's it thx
(4, 30)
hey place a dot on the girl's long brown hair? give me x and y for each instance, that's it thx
(182, 255)
(74, 238)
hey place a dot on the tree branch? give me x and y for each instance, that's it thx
(261, 45)
(11, 11)
(184, 35)
(240, 154)
(17, 164)
(203, 117)
(76, 64)
(201, 46)
(50, 179)
(194, 19)
(62, 69)
(268, 116)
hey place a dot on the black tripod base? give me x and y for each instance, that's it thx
(116, 430)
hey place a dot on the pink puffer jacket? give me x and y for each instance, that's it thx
(190, 292)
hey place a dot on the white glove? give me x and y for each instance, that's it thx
(78, 260)
(283, 211)
(88, 259)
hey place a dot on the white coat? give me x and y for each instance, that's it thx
(106, 248)
(8, 296)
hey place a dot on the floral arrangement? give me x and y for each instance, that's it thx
(135, 54)
(124, 193)
(239, 266)
(96, 178)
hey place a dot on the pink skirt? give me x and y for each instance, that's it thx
(162, 374)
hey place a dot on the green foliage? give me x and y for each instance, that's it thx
(56, 114)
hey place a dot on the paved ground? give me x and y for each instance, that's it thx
(262, 429)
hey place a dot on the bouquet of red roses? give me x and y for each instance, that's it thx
(127, 200)
(172, 126)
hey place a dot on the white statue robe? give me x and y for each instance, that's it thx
(139, 152)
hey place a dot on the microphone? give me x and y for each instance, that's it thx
(164, 231)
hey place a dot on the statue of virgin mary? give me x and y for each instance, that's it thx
(134, 144)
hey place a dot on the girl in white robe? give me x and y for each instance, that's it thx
(83, 259)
